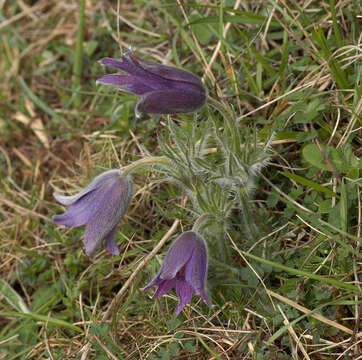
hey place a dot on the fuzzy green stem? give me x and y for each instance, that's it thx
(144, 162)
(78, 61)
(223, 111)
(200, 220)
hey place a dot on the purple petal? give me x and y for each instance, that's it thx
(110, 205)
(195, 270)
(125, 82)
(92, 240)
(167, 72)
(113, 63)
(204, 297)
(147, 78)
(111, 245)
(164, 288)
(170, 102)
(156, 281)
(71, 218)
(178, 255)
(96, 183)
(79, 213)
(184, 293)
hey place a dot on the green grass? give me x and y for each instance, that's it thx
(281, 69)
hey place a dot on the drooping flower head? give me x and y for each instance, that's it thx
(185, 267)
(162, 89)
(100, 206)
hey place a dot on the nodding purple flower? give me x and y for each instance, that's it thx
(100, 206)
(162, 89)
(185, 267)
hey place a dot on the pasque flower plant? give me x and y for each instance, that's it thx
(100, 206)
(185, 267)
(215, 182)
(162, 89)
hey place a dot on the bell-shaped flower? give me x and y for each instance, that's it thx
(100, 206)
(185, 267)
(162, 89)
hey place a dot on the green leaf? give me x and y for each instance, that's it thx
(338, 73)
(310, 184)
(42, 296)
(173, 323)
(174, 349)
(240, 18)
(12, 297)
(325, 206)
(303, 117)
(353, 174)
(201, 31)
(90, 47)
(40, 103)
(190, 347)
(315, 156)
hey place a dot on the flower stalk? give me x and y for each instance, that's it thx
(141, 163)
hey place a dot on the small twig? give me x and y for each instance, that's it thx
(208, 71)
(218, 46)
(355, 331)
(252, 269)
(285, 195)
(106, 350)
(311, 313)
(293, 334)
(46, 339)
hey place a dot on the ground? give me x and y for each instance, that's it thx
(289, 72)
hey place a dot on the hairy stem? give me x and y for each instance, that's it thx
(145, 162)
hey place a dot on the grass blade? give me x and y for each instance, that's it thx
(43, 318)
(309, 183)
(12, 297)
(290, 270)
(78, 61)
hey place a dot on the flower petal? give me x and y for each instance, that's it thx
(111, 245)
(147, 78)
(155, 281)
(92, 240)
(79, 213)
(96, 183)
(170, 101)
(204, 297)
(178, 255)
(184, 293)
(113, 63)
(125, 82)
(195, 269)
(164, 287)
(167, 72)
(110, 206)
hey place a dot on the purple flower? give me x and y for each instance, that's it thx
(162, 89)
(185, 267)
(100, 206)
